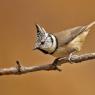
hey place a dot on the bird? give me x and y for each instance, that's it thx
(61, 44)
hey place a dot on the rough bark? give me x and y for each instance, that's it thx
(19, 69)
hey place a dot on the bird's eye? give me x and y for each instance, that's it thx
(42, 43)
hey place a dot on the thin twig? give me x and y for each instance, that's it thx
(19, 69)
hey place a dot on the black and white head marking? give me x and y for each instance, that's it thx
(45, 42)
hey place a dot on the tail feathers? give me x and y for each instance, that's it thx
(90, 25)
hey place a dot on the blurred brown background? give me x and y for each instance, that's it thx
(17, 37)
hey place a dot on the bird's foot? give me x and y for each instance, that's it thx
(58, 62)
(69, 58)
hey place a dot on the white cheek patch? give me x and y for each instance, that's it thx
(49, 45)
(48, 42)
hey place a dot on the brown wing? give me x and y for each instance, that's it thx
(66, 36)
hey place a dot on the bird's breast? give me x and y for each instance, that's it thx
(62, 52)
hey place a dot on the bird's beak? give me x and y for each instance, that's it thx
(36, 47)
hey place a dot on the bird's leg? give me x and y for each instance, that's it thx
(70, 56)
(57, 61)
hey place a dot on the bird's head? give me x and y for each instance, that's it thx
(44, 40)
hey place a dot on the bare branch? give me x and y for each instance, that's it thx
(19, 69)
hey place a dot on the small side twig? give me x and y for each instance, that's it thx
(18, 66)
(19, 69)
